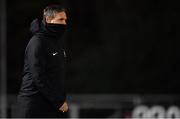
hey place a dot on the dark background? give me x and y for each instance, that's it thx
(117, 46)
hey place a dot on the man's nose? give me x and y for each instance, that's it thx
(64, 22)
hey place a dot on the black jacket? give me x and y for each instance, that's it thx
(44, 66)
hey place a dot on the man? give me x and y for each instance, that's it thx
(42, 93)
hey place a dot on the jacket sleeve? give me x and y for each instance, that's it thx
(36, 60)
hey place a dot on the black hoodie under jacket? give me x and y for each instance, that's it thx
(44, 65)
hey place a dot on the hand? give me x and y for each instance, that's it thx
(64, 107)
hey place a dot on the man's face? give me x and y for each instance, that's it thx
(59, 18)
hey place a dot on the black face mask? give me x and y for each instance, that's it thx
(56, 29)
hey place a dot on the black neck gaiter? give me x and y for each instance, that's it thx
(56, 30)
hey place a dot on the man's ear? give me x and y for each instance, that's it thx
(48, 19)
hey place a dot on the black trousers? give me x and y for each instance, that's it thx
(36, 106)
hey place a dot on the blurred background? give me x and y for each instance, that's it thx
(122, 56)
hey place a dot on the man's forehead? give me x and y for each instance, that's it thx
(61, 15)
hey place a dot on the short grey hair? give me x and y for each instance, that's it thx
(51, 10)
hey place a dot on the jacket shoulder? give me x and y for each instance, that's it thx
(35, 43)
